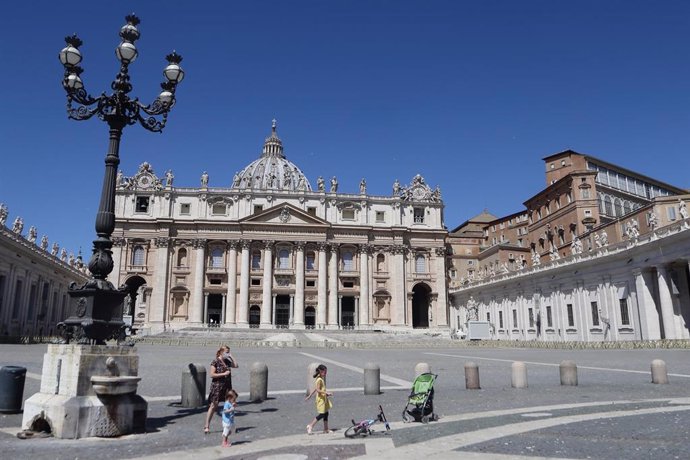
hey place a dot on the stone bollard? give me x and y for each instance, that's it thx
(568, 371)
(659, 374)
(421, 368)
(372, 379)
(258, 382)
(471, 376)
(193, 388)
(311, 370)
(519, 375)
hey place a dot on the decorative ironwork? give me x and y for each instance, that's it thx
(103, 303)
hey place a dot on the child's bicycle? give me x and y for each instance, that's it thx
(363, 428)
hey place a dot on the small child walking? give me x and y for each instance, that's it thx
(323, 404)
(229, 416)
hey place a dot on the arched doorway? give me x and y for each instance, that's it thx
(420, 306)
(254, 316)
(310, 317)
(129, 310)
(283, 311)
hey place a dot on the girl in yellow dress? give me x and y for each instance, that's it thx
(323, 404)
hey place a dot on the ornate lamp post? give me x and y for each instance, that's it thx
(96, 308)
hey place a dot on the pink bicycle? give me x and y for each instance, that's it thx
(363, 428)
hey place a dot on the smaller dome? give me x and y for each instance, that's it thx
(272, 171)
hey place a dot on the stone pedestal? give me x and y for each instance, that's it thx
(73, 407)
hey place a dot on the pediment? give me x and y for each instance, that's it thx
(284, 214)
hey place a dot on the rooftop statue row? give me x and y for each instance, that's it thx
(31, 237)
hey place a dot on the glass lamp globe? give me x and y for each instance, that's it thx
(166, 97)
(70, 56)
(173, 73)
(73, 81)
(126, 52)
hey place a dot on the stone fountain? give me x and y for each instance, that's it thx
(87, 390)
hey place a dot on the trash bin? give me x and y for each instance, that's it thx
(12, 388)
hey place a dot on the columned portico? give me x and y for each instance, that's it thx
(267, 304)
(243, 318)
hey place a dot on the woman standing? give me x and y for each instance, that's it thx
(221, 381)
(323, 404)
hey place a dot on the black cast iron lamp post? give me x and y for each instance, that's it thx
(96, 308)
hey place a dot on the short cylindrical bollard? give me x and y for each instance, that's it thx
(659, 374)
(311, 370)
(372, 379)
(519, 375)
(471, 376)
(193, 387)
(421, 368)
(258, 382)
(12, 380)
(568, 370)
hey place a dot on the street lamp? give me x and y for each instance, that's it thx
(96, 308)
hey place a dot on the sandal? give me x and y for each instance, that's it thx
(206, 430)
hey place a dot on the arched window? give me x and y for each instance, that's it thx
(420, 263)
(626, 207)
(310, 260)
(348, 265)
(216, 258)
(256, 260)
(138, 256)
(608, 207)
(182, 257)
(283, 258)
(617, 207)
(380, 263)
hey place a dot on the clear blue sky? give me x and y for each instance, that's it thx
(470, 94)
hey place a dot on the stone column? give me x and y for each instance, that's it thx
(266, 307)
(333, 287)
(243, 317)
(222, 310)
(441, 305)
(322, 289)
(196, 315)
(683, 305)
(399, 301)
(646, 308)
(291, 321)
(273, 309)
(340, 311)
(356, 318)
(114, 277)
(205, 317)
(297, 309)
(159, 294)
(231, 295)
(363, 311)
(666, 303)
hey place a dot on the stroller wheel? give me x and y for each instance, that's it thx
(407, 418)
(425, 419)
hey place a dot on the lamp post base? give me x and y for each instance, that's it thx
(95, 314)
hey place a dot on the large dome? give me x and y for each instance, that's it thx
(272, 171)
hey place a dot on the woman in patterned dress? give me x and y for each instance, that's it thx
(221, 381)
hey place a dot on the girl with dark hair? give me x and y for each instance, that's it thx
(323, 404)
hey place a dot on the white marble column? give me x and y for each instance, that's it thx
(243, 317)
(196, 315)
(273, 309)
(231, 295)
(222, 310)
(297, 313)
(441, 305)
(159, 295)
(291, 321)
(114, 276)
(356, 318)
(266, 306)
(333, 319)
(205, 317)
(647, 314)
(322, 289)
(400, 305)
(683, 304)
(666, 303)
(362, 315)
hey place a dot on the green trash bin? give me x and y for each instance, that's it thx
(12, 388)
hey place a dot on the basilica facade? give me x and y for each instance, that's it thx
(271, 251)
